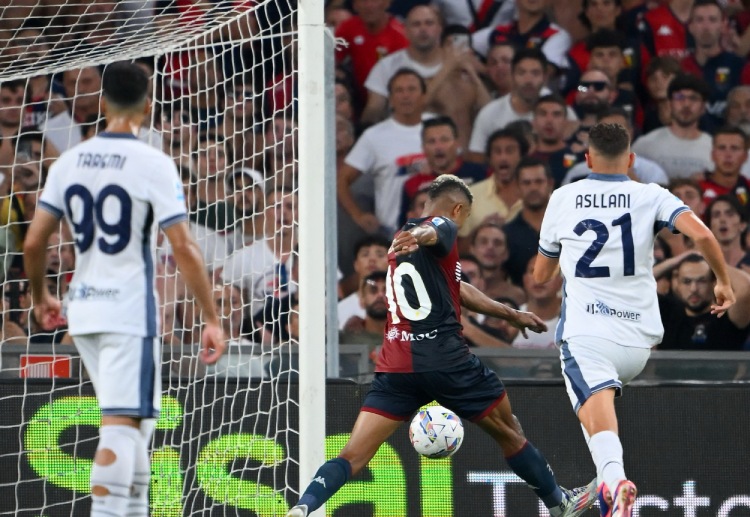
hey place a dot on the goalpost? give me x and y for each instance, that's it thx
(242, 101)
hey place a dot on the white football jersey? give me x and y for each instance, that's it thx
(115, 191)
(602, 229)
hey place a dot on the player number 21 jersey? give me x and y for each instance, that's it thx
(603, 229)
(114, 190)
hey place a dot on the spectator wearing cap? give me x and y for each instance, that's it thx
(368, 329)
(457, 91)
(441, 150)
(527, 80)
(423, 55)
(681, 148)
(496, 199)
(246, 197)
(549, 126)
(531, 28)
(370, 35)
(643, 170)
(720, 69)
(729, 153)
(476, 15)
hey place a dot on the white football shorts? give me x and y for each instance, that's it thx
(125, 371)
(593, 365)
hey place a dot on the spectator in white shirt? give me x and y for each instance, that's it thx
(390, 151)
(681, 148)
(423, 27)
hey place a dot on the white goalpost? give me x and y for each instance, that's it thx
(242, 101)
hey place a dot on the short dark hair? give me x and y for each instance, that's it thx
(664, 64)
(373, 277)
(442, 120)
(529, 53)
(732, 201)
(685, 182)
(694, 258)
(584, 19)
(510, 134)
(605, 38)
(689, 82)
(610, 140)
(487, 224)
(448, 183)
(614, 111)
(552, 98)
(705, 3)
(468, 257)
(732, 130)
(13, 85)
(452, 30)
(528, 162)
(374, 239)
(407, 71)
(124, 84)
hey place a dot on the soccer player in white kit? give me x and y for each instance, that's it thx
(600, 231)
(115, 192)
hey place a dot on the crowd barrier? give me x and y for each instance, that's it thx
(225, 448)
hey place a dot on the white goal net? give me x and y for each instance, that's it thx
(225, 105)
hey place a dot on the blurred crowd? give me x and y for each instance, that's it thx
(498, 92)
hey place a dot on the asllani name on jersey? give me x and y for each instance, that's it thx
(603, 201)
(600, 307)
(101, 161)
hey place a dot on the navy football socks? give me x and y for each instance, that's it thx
(328, 479)
(530, 465)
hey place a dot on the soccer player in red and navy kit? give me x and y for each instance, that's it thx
(424, 357)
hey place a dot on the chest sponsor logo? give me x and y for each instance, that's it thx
(599, 307)
(91, 292)
(395, 334)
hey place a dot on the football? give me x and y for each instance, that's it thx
(436, 432)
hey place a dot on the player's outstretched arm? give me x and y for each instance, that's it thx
(409, 241)
(47, 308)
(545, 268)
(689, 224)
(475, 300)
(190, 263)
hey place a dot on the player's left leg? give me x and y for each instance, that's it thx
(392, 399)
(369, 433)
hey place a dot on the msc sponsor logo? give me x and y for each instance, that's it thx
(395, 334)
(90, 292)
(599, 307)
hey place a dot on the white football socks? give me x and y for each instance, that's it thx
(606, 450)
(116, 477)
(139, 501)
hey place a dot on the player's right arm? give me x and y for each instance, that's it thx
(689, 224)
(189, 260)
(475, 300)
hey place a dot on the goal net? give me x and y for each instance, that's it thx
(224, 93)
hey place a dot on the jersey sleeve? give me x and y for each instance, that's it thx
(361, 156)
(377, 79)
(447, 232)
(167, 197)
(668, 207)
(549, 240)
(52, 199)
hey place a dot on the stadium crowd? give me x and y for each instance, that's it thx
(498, 92)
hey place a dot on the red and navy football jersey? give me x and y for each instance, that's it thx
(423, 331)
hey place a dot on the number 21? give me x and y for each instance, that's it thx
(583, 266)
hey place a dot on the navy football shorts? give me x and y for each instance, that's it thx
(471, 390)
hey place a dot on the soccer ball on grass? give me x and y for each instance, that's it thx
(436, 432)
